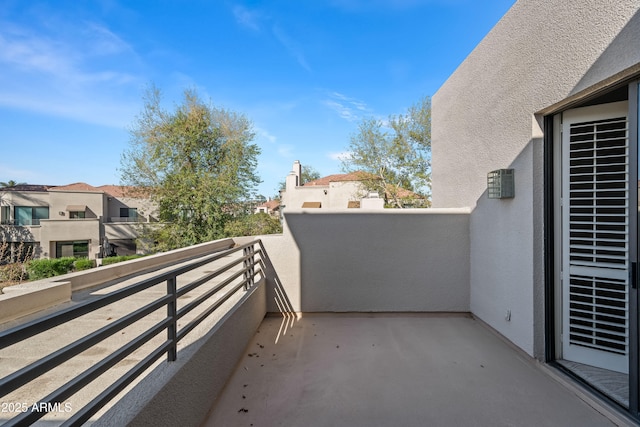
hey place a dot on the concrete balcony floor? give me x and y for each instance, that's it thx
(396, 370)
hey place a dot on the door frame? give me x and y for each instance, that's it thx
(552, 160)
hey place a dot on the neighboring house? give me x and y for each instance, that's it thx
(73, 220)
(270, 207)
(338, 191)
(552, 94)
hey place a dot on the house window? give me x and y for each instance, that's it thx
(130, 213)
(77, 214)
(29, 215)
(76, 248)
(5, 214)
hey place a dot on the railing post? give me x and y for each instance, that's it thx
(171, 313)
(249, 263)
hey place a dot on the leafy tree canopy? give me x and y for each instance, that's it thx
(394, 155)
(196, 162)
(253, 225)
(11, 183)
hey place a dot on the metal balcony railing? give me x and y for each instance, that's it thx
(226, 282)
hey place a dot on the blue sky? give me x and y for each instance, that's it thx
(305, 72)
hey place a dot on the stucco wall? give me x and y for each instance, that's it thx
(336, 195)
(52, 231)
(59, 200)
(295, 197)
(147, 211)
(342, 192)
(412, 260)
(483, 119)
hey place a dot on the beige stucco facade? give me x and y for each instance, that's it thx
(74, 213)
(332, 192)
(541, 58)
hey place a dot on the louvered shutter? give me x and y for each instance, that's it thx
(596, 236)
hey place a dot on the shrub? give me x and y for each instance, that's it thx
(83, 264)
(44, 268)
(120, 258)
(13, 272)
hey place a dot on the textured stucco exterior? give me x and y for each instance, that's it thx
(388, 260)
(336, 195)
(101, 212)
(487, 116)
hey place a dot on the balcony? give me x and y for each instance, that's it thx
(127, 219)
(393, 369)
(347, 318)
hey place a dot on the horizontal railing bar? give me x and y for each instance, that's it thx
(34, 370)
(71, 387)
(197, 283)
(27, 330)
(214, 257)
(22, 332)
(99, 401)
(198, 319)
(200, 299)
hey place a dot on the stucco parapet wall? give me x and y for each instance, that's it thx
(382, 260)
(360, 211)
(21, 300)
(96, 276)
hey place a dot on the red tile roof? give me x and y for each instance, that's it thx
(112, 190)
(341, 177)
(76, 186)
(26, 187)
(123, 191)
(270, 204)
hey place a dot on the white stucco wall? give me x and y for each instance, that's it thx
(342, 192)
(293, 198)
(483, 119)
(388, 260)
(336, 195)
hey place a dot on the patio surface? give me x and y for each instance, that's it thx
(396, 370)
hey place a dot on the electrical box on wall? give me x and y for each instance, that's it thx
(500, 184)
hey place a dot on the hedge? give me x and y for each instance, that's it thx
(44, 268)
(120, 258)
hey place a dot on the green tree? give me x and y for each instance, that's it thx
(11, 183)
(253, 225)
(197, 163)
(394, 156)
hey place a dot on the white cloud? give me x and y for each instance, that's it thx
(55, 73)
(103, 41)
(340, 156)
(247, 18)
(292, 46)
(348, 108)
(254, 20)
(265, 134)
(343, 111)
(285, 150)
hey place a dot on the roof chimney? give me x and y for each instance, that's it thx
(297, 169)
